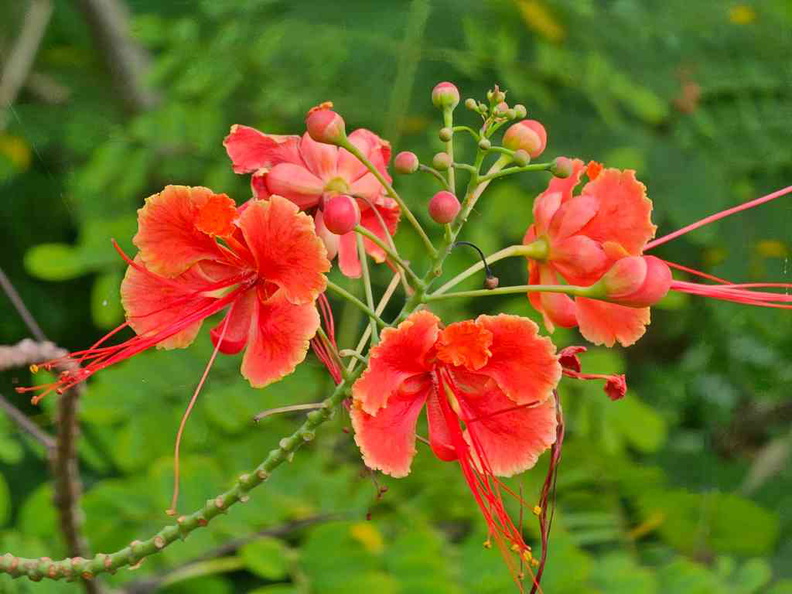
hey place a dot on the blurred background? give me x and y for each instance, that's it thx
(682, 487)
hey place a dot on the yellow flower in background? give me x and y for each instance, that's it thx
(772, 248)
(541, 20)
(742, 14)
(16, 150)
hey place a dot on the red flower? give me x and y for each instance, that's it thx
(199, 255)
(488, 389)
(583, 236)
(307, 172)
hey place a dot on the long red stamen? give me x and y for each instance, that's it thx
(177, 448)
(737, 293)
(326, 349)
(716, 217)
(695, 272)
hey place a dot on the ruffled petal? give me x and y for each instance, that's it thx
(154, 304)
(168, 237)
(387, 439)
(509, 438)
(296, 183)
(544, 209)
(377, 150)
(625, 213)
(401, 354)
(373, 218)
(523, 364)
(239, 320)
(607, 323)
(319, 158)
(286, 248)
(251, 150)
(280, 334)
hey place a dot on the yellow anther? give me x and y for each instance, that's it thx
(34, 368)
(537, 511)
(515, 548)
(527, 556)
(488, 544)
(534, 562)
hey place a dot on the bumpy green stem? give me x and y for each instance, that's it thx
(45, 568)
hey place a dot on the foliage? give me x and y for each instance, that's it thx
(672, 489)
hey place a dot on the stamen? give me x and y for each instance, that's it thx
(716, 217)
(177, 449)
(739, 293)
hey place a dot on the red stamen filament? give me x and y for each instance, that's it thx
(177, 448)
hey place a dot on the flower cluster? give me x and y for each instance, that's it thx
(489, 386)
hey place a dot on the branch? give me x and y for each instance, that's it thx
(72, 568)
(24, 423)
(19, 305)
(23, 54)
(125, 59)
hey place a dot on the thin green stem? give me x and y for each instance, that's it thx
(355, 355)
(564, 289)
(448, 122)
(136, 551)
(467, 129)
(500, 149)
(439, 176)
(512, 170)
(390, 252)
(464, 166)
(367, 285)
(346, 144)
(350, 298)
(514, 250)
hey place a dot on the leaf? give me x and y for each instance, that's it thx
(106, 309)
(266, 557)
(5, 503)
(54, 262)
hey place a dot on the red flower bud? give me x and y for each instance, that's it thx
(562, 167)
(637, 281)
(341, 214)
(325, 126)
(406, 162)
(527, 135)
(444, 207)
(616, 387)
(445, 95)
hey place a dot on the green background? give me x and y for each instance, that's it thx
(682, 487)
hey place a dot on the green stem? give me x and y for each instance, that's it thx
(367, 285)
(514, 250)
(448, 122)
(75, 568)
(346, 144)
(443, 181)
(564, 289)
(464, 166)
(390, 252)
(467, 129)
(511, 170)
(350, 298)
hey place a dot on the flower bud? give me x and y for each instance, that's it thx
(521, 158)
(511, 114)
(484, 144)
(445, 95)
(501, 108)
(520, 110)
(562, 167)
(445, 134)
(444, 207)
(528, 135)
(341, 214)
(441, 161)
(568, 358)
(616, 387)
(636, 281)
(471, 104)
(406, 162)
(491, 282)
(325, 126)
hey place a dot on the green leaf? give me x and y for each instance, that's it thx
(266, 557)
(5, 503)
(54, 262)
(106, 309)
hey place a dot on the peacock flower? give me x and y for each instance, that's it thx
(199, 255)
(488, 389)
(308, 173)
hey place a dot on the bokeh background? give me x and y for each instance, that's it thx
(682, 487)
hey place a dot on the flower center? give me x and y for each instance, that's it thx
(465, 344)
(337, 185)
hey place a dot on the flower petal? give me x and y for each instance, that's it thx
(286, 248)
(566, 185)
(607, 323)
(511, 438)
(280, 334)
(573, 215)
(319, 158)
(625, 213)
(348, 258)
(251, 150)
(376, 150)
(387, 439)
(367, 186)
(557, 309)
(523, 364)
(373, 218)
(296, 183)
(544, 209)
(239, 318)
(439, 435)
(580, 260)
(401, 354)
(155, 304)
(168, 235)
